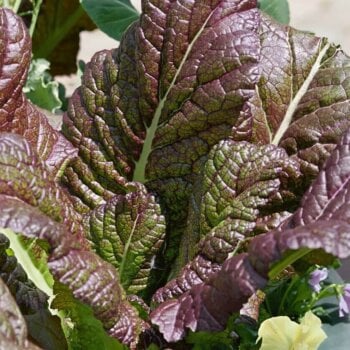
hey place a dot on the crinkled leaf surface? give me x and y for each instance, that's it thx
(23, 176)
(151, 110)
(13, 330)
(91, 280)
(185, 78)
(207, 306)
(111, 16)
(17, 115)
(127, 231)
(301, 101)
(241, 183)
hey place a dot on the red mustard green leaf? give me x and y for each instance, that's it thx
(241, 184)
(91, 280)
(128, 231)
(316, 224)
(24, 177)
(301, 101)
(13, 330)
(207, 306)
(17, 114)
(150, 111)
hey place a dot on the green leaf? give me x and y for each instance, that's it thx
(40, 89)
(27, 276)
(111, 16)
(85, 323)
(127, 231)
(277, 9)
(210, 341)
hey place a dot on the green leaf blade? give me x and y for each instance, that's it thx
(112, 16)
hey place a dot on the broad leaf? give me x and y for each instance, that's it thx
(17, 115)
(241, 183)
(111, 16)
(151, 110)
(277, 9)
(185, 78)
(207, 306)
(299, 104)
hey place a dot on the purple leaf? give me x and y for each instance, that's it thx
(13, 331)
(207, 306)
(17, 114)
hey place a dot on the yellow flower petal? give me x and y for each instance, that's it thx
(281, 333)
(278, 333)
(310, 332)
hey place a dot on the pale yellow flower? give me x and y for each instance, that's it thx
(281, 333)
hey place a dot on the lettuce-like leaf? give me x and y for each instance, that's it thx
(17, 114)
(42, 326)
(325, 208)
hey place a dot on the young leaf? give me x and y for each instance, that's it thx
(43, 327)
(111, 16)
(277, 9)
(40, 89)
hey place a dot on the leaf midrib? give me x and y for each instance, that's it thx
(140, 165)
(288, 117)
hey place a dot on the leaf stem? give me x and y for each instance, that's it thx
(291, 284)
(17, 5)
(36, 10)
(58, 34)
(289, 259)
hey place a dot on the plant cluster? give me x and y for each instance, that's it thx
(201, 173)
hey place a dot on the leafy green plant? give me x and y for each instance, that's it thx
(197, 161)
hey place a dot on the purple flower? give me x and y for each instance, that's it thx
(344, 301)
(316, 277)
